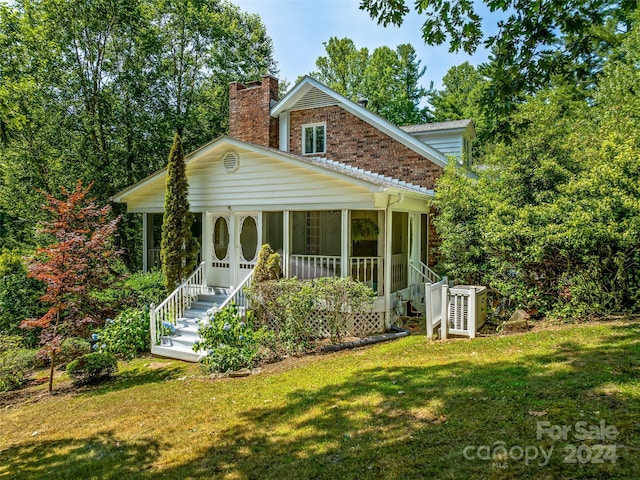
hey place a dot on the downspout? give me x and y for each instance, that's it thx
(387, 259)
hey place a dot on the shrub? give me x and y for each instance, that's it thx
(19, 298)
(92, 368)
(231, 341)
(285, 306)
(267, 266)
(339, 299)
(16, 363)
(137, 290)
(126, 336)
(70, 349)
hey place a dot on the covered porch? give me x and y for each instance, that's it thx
(386, 249)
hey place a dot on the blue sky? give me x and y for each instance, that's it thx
(298, 28)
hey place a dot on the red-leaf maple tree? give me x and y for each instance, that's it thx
(77, 263)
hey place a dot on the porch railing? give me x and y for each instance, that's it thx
(174, 306)
(368, 270)
(314, 266)
(398, 272)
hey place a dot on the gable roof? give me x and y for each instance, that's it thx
(309, 93)
(346, 172)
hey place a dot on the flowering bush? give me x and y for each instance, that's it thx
(230, 340)
(167, 329)
(125, 336)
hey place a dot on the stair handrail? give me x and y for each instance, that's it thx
(179, 301)
(426, 273)
(237, 296)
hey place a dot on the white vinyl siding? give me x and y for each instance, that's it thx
(260, 183)
(313, 138)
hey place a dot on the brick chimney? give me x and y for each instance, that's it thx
(249, 107)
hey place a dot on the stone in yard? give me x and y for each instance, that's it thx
(519, 322)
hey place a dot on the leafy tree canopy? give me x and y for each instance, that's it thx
(95, 90)
(536, 40)
(552, 222)
(388, 79)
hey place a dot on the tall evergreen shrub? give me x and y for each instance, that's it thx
(178, 247)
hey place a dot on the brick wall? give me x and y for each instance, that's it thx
(249, 107)
(353, 141)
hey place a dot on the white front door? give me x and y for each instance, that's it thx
(236, 239)
(219, 273)
(248, 230)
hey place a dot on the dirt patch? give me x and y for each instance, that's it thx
(158, 365)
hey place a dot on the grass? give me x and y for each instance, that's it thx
(404, 409)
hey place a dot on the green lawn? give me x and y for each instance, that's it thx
(405, 409)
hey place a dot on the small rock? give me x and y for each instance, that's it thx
(519, 322)
(401, 392)
(35, 433)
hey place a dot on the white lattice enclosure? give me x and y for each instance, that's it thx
(360, 325)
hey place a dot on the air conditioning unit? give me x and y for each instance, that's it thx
(466, 309)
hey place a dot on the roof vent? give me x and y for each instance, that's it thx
(230, 162)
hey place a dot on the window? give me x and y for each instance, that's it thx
(313, 138)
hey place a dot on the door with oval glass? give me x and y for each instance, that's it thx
(236, 240)
(219, 275)
(248, 242)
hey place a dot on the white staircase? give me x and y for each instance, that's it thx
(180, 344)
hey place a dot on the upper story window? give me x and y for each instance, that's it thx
(313, 138)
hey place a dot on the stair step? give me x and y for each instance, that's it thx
(188, 333)
(218, 291)
(181, 346)
(177, 351)
(202, 305)
(211, 298)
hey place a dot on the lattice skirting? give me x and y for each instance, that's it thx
(360, 325)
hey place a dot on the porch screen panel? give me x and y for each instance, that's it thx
(272, 230)
(399, 250)
(315, 243)
(154, 235)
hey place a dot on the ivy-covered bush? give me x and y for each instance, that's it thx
(126, 336)
(92, 368)
(231, 341)
(551, 223)
(16, 362)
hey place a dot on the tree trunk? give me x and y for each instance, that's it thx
(53, 364)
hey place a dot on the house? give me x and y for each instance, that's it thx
(331, 186)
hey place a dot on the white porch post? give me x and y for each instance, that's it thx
(145, 243)
(387, 267)
(234, 245)
(286, 240)
(344, 249)
(207, 245)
